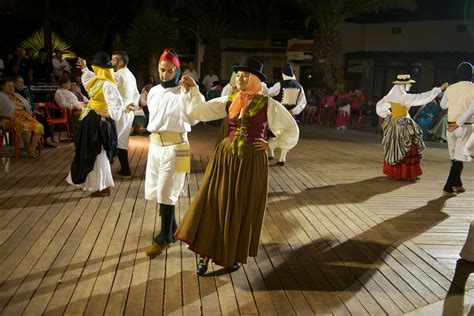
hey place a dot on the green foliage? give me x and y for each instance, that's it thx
(36, 41)
(150, 33)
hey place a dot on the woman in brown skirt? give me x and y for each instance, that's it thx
(225, 218)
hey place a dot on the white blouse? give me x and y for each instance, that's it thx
(397, 95)
(280, 121)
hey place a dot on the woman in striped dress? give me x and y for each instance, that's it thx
(402, 138)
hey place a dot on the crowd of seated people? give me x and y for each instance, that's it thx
(16, 110)
(21, 105)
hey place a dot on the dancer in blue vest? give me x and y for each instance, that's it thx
(290, 93)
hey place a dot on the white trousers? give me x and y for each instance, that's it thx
(457, 141)
(124, 126)
(162, 183)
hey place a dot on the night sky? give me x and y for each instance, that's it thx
(19, 18)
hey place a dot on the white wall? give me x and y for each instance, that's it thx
(414, 36)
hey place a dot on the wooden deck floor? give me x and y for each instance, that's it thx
(338, 237)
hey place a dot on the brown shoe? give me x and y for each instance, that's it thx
(449, 194)
(156, 249)
(459, 189)
(104, 192)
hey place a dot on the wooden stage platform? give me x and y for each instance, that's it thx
(338, 238)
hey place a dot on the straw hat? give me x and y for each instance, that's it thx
(403, 79)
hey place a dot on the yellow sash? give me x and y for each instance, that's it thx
(97, 100)
(181, 148)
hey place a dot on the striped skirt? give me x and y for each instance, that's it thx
(403, 148)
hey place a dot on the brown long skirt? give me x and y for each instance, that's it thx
(224, 220)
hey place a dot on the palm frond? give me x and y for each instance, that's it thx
(36, 41)
(151, 32)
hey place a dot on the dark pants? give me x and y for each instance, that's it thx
(454, 178)
(124, 166)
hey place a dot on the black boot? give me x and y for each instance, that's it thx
(168, 225)
(124, 167)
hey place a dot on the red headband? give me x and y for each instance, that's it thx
(169, 55)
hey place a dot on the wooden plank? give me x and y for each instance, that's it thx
(338, 238)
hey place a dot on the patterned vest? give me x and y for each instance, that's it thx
(289, 93)
(250, 126)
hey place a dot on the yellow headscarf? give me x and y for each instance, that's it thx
(240, 103)
(106, 74)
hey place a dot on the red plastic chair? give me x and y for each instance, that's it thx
(63, 120)
(4, 130)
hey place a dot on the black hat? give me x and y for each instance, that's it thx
(251, 65)
(102, 59)
(464, 71)
(288, 70)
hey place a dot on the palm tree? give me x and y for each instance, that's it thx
(208, 20)
(329, 16)
(149, 34)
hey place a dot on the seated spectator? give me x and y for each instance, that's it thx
(15, 62)
(66, 99)
(214, 92)
(80, 86)
(143, 101)
(209, 79)
(76, 89)
(342, 118)
(42, 69)
(59, 65)
(368, 110)
(13, 105)
(26, 70)
(192, 72)
(329, 107)
(32, 110)
(140, 119)
(356, 100)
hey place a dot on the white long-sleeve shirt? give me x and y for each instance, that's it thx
(111, 94)
(280, 120)
(404, 99)
(457, 99)
(59, 66)
(127, 86)
(167, 109)
(66, 99)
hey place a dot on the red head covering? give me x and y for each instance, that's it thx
(171, 56)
